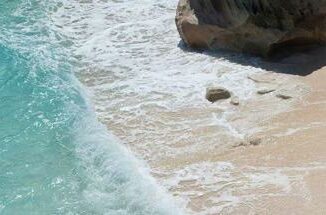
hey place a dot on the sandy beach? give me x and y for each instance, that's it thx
(265, 156)
(273, 157)
(296, 148)
(260, 157)
(284, 171)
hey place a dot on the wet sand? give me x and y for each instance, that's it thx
(202, 155)
(296, 146)
(286, 172)
(278, 166)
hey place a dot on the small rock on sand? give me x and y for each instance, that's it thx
(214, 94)
(283, 96)
(235, 101)
(265, 91)
(255, 141)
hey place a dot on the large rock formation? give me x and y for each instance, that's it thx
(254, 26)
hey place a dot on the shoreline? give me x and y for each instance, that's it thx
(209, 166)
(281, 173)
(153, 99)
(229, 177)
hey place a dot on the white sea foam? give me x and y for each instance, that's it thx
(134, 67)
(226, 185)
(150, 92)
(117, 182)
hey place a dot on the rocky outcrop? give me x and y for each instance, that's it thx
(254, 26)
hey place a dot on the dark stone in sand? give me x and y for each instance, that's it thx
(265, 91)
(249, 142)
(283, 96)
(214, 94)
(255, 141)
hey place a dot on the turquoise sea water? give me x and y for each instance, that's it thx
(55, 158)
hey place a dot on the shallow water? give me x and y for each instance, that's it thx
(56, 158)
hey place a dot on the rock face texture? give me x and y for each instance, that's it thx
(255, 26)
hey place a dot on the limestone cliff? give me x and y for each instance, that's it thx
(254, 26)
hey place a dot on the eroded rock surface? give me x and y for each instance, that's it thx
(254, 26)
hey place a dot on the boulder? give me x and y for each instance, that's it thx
(214, 94)
(255, 26)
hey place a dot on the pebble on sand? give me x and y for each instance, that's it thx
(214, 94)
